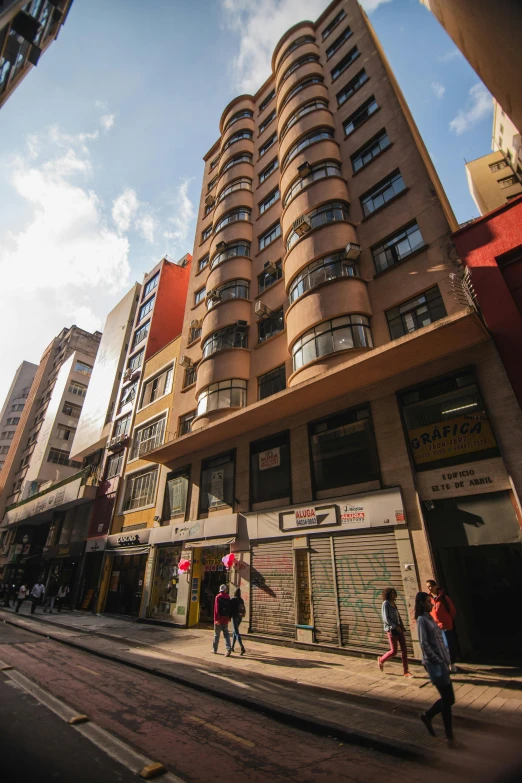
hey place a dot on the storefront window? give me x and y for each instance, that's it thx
(446, 423)
(217, 482)
(270, 469)
(343, 450)
(165, 585)
(176, 490)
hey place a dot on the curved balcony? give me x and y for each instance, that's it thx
(310, 69)
(245, 124)
(242, 147)
(286, 40)
(240, 229)
(218, 399)
(224, 314)
(234, 363)
(241, 144)
(234, 268)
(327, 149)
(315, 121)
(236, 171)
(234, 200)
(317, 192)
(241, 248)
(241, 115)
(235, 105)
(295, 62)
(302, 44)
(320, 242)
(308, 92)
(328, 300)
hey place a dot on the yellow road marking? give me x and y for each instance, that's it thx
(85, 669)
(221, 732)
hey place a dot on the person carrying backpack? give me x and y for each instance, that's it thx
(222, 611)
(237, 611)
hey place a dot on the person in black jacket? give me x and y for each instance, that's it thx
(237, 612)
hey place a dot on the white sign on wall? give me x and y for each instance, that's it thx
(271, 458)
(309, 516)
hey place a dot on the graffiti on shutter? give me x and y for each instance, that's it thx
(323, 591)
(272, 589)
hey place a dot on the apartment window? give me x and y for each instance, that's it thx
(224, 394)
(71, 410)
(339, 334)
(333, 24)
(307, 58)
(266, 279)
(500, 141)
(13, 420)
(370, 150)
(319, 171)
(233, 249)
(151, 285)
(206, 233)
(266, 122)
(264, 103)
(272, 166)
(331, 267)
(7, 435)
(217, 482)
(208, 209)
(244, 114)
(234, 289)
(510, 156)
(189, 377)
(176, 493)
(316, 105)
(384, 191)
(501, 128)
(129, 393)
(65, 433)
(185, 422)
(397, 247)
(270, 469)
(212, 183)
(241, 134)
(270, 235)
(146, 308)
(343, 450)
(157, 387)
(121, 426)
(416, 313)
(140, 490)
(242, 183)
(114, 465)
(135, 361)
(270, 325)
(195, 333)
(501, 164)
(234, 336)
(241, 213)
(18, 407)
(82, 368)
(271, 382)
(349, 89)
(343, 64)
(304, 39)
(268, 143)
(308, 82)
(244, 157)
(147, 438)
(446, 422)
(59, 457)
(214, 163)
(140, 334)
(507, 182)
(336, 45)
(319, 134)
(330, 212)
(77, 388)
(4, 449)
(199, 296)
(267, 202)
(24, 462)
(359, 116)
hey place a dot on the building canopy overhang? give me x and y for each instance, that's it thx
(40, 508)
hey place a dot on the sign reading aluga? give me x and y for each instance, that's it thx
(271, 458)
(309, 516)
(372, 509)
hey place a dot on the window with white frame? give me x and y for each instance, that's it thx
(157, 387)
(83, 368)
(77, 388)
(148, 437)
(140, 489)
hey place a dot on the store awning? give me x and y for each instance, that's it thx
(209, 542)
(129, 550)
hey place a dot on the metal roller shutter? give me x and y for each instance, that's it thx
(272, 589)
(323, 591)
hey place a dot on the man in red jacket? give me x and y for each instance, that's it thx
(443, 613)
(222, 619)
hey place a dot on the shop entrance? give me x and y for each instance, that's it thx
(89, 583)
(126, 584)
(213, 574)
(482, 572)
(165, 584)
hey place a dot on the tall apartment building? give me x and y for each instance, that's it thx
(26, 30)
(13, 406)
(343, 413)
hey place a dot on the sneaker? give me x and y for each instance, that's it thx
(409, 675)
(453, 669)
(215, 652)
(228, 653)
(380, 664)
(243, 651)
(427, 722)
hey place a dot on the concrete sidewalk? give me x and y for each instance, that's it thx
(339, 693)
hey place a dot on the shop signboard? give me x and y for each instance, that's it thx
(95, 544)
(65, 550)
(126, 540)
(271, 458)
(309, 516)
(451, 438)
(470, 478)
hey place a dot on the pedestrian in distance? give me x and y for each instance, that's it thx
(50, 596)
(394, 628)
(444, 613)
(63, 592)
(237, 612)
(222, 619)
(21, 596)
(11, 595)
(436, 661)
(37, 593)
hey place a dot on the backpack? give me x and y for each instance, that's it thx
(242, 608)
(224, 607)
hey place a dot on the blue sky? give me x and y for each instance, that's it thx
(102, 144)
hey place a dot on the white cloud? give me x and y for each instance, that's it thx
(146, 226)
(124, 209)
(182, 222)
(478, 107)
(438, 89)
(452, 54)
(107, 121)
(101, 105)
(371, 5)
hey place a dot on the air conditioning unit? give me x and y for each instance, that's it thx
(305, 169)
(127, 374)
(261, 309)
(353, 251)
(195, 323)
(302, 225)
(221, 246)
(210, 200)
(242, 324)
(270, 268)
(185, 361)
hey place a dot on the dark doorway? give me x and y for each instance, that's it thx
(214, 574)
(126, 585)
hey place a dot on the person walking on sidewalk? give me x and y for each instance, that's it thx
(237, 612)
(436, 661)
(63, 592)
(37, 594)
(21, 596)
(444, 612)
(222, 619)
(394, 627)
(50, 598)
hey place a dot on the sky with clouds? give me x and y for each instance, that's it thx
(102, 144)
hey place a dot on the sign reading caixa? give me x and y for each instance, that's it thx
(373, 509)
(132, 538)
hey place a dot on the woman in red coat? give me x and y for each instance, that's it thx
(443, 613)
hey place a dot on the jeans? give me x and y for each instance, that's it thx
(393, 649)
(236, 622)
(218, 630)
(451, 644)
(34, 601)
(19, 602)
(444, 705)
(49, 603)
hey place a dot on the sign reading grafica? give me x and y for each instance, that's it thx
(451, 438)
